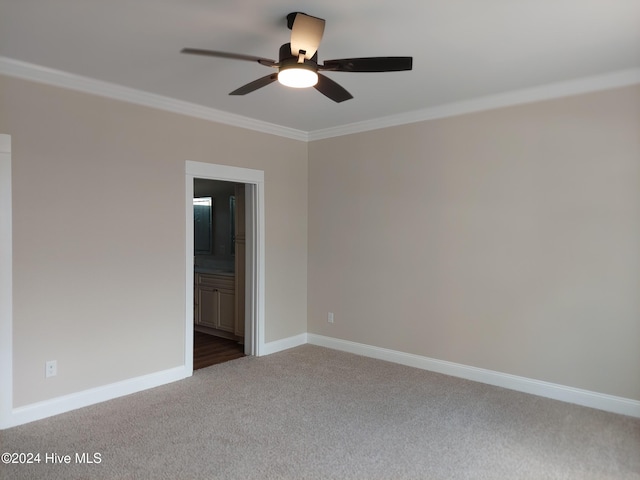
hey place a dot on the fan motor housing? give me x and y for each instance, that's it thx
(286, 59)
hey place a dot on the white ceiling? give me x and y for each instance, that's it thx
(462, 49)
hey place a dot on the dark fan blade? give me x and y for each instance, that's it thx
(236, 56)
(331, 89)
(255, 85)
(369, 64)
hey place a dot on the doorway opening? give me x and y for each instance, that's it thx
(216, 257)
(219, 233)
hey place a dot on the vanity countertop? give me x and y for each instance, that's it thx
(213, 271)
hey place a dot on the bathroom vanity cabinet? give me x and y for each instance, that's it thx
(215, 301)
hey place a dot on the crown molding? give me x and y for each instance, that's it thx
(37, 73)
(49, 76)
(550, 91)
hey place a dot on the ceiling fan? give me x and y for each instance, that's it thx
(298, 66)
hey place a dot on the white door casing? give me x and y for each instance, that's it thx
(6, 284)
(254, 273)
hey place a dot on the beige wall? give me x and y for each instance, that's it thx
(99, 240)
(507, 240)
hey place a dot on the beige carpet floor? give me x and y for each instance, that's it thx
(315, 413)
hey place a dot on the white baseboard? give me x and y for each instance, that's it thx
(65, 403)
(601, 401)
(284, 344)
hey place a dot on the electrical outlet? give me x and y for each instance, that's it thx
(330, 317)
(51, 368)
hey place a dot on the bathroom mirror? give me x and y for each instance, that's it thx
(203, 225)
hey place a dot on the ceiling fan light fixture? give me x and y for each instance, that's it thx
(298, 65)
(298, 76)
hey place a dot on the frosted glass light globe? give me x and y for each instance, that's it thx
(298, 77)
